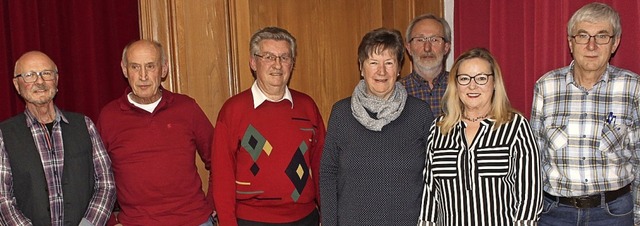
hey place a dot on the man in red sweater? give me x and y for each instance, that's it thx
(152, 136)
(268, 143)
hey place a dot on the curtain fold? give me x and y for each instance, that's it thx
(529, 38)
(85, 40)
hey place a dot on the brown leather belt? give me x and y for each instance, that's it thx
(590, 201)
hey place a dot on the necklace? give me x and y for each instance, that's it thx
(474, 119)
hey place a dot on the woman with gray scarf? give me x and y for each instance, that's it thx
(372, 162)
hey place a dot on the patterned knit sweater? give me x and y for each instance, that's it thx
(374, 178)
(266, 160)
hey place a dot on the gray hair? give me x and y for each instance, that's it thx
(442, 21)
(156, 44)
(272, 33)
(596, 12)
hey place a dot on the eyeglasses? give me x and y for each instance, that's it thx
(270, 58)
(32, 76)
(600, 39)
(434, 40)
(480, 79)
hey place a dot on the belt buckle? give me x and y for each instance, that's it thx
(581, 202)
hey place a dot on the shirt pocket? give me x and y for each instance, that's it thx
(444, 163)
(614, 137)
(493, 161)
(557, 137)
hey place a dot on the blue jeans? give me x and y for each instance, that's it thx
(616, 212)
(209, 222)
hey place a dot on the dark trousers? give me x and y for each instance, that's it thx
(313, 219)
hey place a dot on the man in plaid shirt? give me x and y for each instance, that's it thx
(586, 119)
(428, 43)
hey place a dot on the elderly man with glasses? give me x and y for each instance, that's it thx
(54, 169)
(586, 119)
(428, 41)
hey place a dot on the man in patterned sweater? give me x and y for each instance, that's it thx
(268, 143)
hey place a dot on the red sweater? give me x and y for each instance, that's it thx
(266, 160)
(152, 157)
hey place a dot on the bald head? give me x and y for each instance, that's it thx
(144, 44)
(41, 91)
(33, 61)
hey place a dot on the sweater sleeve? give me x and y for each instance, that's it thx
(204, 135)
(223, 173)
(329, 168)
(203, 132)
(316, 154)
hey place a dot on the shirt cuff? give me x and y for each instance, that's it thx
(85, 222)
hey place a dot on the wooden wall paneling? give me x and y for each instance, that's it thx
(155, 22)
(430, 6)
(196, 38)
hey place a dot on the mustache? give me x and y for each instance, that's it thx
(39, 87)
(428, 54)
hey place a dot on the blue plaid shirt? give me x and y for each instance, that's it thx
(588, 139)
(418, 87)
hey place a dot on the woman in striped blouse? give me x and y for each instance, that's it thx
(482, 160)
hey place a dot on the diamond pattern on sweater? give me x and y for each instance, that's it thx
(298, 171)
(253, 142)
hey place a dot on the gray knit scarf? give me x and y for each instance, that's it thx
(385, 111)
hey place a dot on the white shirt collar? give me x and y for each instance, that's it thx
(259, 97)
(147, 107)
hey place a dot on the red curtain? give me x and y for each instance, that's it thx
(85, 40)
(529, 38)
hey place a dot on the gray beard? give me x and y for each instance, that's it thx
(423, 68)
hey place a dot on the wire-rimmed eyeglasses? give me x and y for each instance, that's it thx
(433, 40)
(270, 58)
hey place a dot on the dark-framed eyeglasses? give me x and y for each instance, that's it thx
(600, 39)
(32, 76)
(433, 40)
(480, 79)
(270, 58)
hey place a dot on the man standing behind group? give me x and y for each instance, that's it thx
(428, 43)
(268, 143)
(54, 169)
(152, 136)
(586, 119)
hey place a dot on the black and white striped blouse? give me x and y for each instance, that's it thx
(493, 181)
